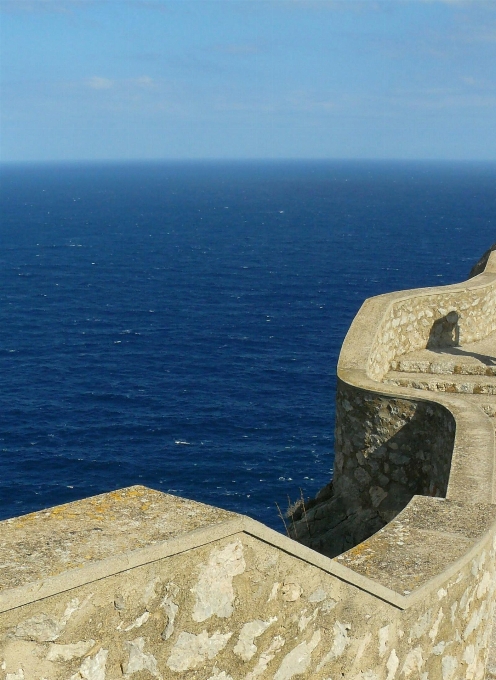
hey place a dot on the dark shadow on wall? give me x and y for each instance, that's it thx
(387, 451)
(444, 338)
(445, 332)
(458, 351)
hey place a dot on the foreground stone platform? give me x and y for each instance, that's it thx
(140, 584)
(75, 536)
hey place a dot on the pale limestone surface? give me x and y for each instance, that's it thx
(335, 626)
(407, 324)
(214, 590)
(246, 647)
(419, 542)
(94, 529)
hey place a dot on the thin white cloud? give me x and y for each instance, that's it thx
(155, 5)
(432, 99)
(143, 81)
(481, 3)
(98, 83)
(482, 35)
(482, 84)
(68, 6)
(354, 5)
(236, 49)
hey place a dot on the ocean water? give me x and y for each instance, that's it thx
(178, 324)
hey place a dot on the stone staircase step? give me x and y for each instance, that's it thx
(456, 384)
(439, 364)
(477, 358)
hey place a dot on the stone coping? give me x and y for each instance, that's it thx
(31, 585)
(472, 476)
(427, 535)
(46, 543)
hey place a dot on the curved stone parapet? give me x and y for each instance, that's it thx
(416, 392)
(392, 327)
(392, 575)
(415, 435)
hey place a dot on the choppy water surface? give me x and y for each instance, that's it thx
(178, 325)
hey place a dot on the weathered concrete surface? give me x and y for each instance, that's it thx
(46, 543)
(428, 534)
(251, 603)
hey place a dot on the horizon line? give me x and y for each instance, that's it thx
(337, 159)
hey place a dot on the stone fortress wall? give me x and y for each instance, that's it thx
(391, 575)
(397, 436)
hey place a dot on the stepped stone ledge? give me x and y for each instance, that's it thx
(388, 574)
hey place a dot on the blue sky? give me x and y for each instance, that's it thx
(182, 79)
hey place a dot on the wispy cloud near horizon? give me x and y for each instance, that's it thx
(99, 83)
(255, 78)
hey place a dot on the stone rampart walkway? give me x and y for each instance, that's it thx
(468, 370)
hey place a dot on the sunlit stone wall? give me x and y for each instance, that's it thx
(247, 607)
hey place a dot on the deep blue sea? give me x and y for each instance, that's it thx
(178, 324)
